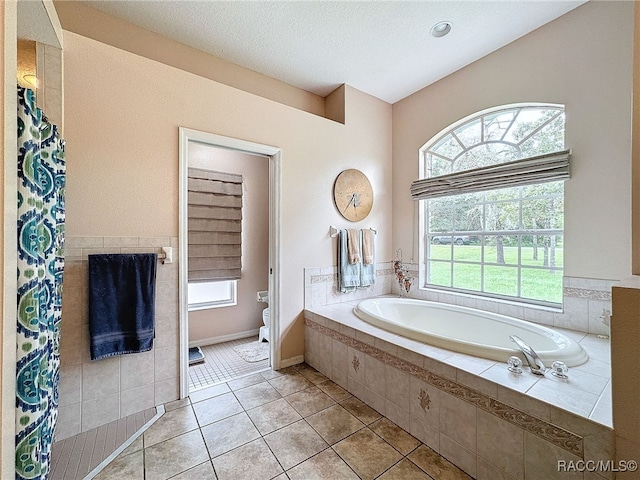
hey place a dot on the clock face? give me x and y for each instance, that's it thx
(353, 195)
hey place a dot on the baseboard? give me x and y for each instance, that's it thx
(287, 362)
(224, 338)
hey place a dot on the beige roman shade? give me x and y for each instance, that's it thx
(215, 225)
(527, 171)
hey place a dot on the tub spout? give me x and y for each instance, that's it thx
(532, 358)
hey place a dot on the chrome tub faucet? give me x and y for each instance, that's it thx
(532, 358)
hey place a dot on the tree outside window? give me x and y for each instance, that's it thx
(506, 242)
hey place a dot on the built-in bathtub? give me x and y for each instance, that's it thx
(467, 330)
(486, 420)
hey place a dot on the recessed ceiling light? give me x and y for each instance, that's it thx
(440, 29)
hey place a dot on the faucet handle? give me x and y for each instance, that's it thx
(514, 363)
(559, 369)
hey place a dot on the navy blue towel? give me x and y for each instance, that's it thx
(121, 303)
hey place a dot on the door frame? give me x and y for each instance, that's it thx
(275, 160)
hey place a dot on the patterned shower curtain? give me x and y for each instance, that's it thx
(41, 185)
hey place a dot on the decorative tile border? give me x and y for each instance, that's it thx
(551, 433)
(587, 293)
(333, 277)
(323, 278)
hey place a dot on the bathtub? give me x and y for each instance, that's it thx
(467, 330)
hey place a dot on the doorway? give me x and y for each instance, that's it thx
(218, 328)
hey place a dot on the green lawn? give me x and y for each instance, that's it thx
(537, 284)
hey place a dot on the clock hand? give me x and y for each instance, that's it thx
(351, 200)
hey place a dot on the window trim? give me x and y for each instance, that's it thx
(423, 239)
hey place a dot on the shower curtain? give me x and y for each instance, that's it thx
(41, 184)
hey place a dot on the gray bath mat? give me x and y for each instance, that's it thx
(195, 355)
(253, 352)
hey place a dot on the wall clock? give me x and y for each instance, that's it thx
(353, 195)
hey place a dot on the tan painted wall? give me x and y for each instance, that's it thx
(86, 21)
(583, 60)
(122, 114)
(247, 314)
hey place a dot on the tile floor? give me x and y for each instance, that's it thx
(222, 364)
(293, 424)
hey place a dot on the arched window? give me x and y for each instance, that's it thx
(503, 241)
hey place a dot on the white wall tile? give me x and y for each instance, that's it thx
(100, 378)
(501, 444)
(458, 421)
(137, 399)
(541, 460)
(458, 455)
(69, 421)
(99, 411)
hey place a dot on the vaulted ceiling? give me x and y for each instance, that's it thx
(383, 48)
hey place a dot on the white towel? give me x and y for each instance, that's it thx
(353, 245)
(367, 246)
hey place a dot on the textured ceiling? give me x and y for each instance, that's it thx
(382, 48)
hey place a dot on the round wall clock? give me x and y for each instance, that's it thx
(353, 195)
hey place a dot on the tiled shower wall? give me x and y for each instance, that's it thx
(93, 393)
(587, 302)
(49, 72)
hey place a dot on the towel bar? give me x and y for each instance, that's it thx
(333, 231)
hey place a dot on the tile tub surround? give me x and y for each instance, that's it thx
(93, 393)
(587, 301)
(470, 410)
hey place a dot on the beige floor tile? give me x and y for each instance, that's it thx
(209, 392)
(435, 465)
(269, 374)
(216, 408)
(246, 381)
(174, 456)
(176, 404)
(404, 470)
(312, 375)
(288, 384)
(334, 390)
(334, 424)
(171, 424)
(251, 461)
(229, 433)
(136, 445)
(129, 466)
(395, 436)
(326, 464)
(273, 416)
(367, 454)
(309, 401)
(295, 443)
(256, 395)
(204, 471)
(360, 410)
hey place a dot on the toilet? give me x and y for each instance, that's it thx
(263, 296)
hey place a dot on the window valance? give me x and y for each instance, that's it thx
(527, 171)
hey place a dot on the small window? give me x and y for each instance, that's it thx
(203, 295)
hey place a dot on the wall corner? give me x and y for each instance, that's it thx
(334, 105)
